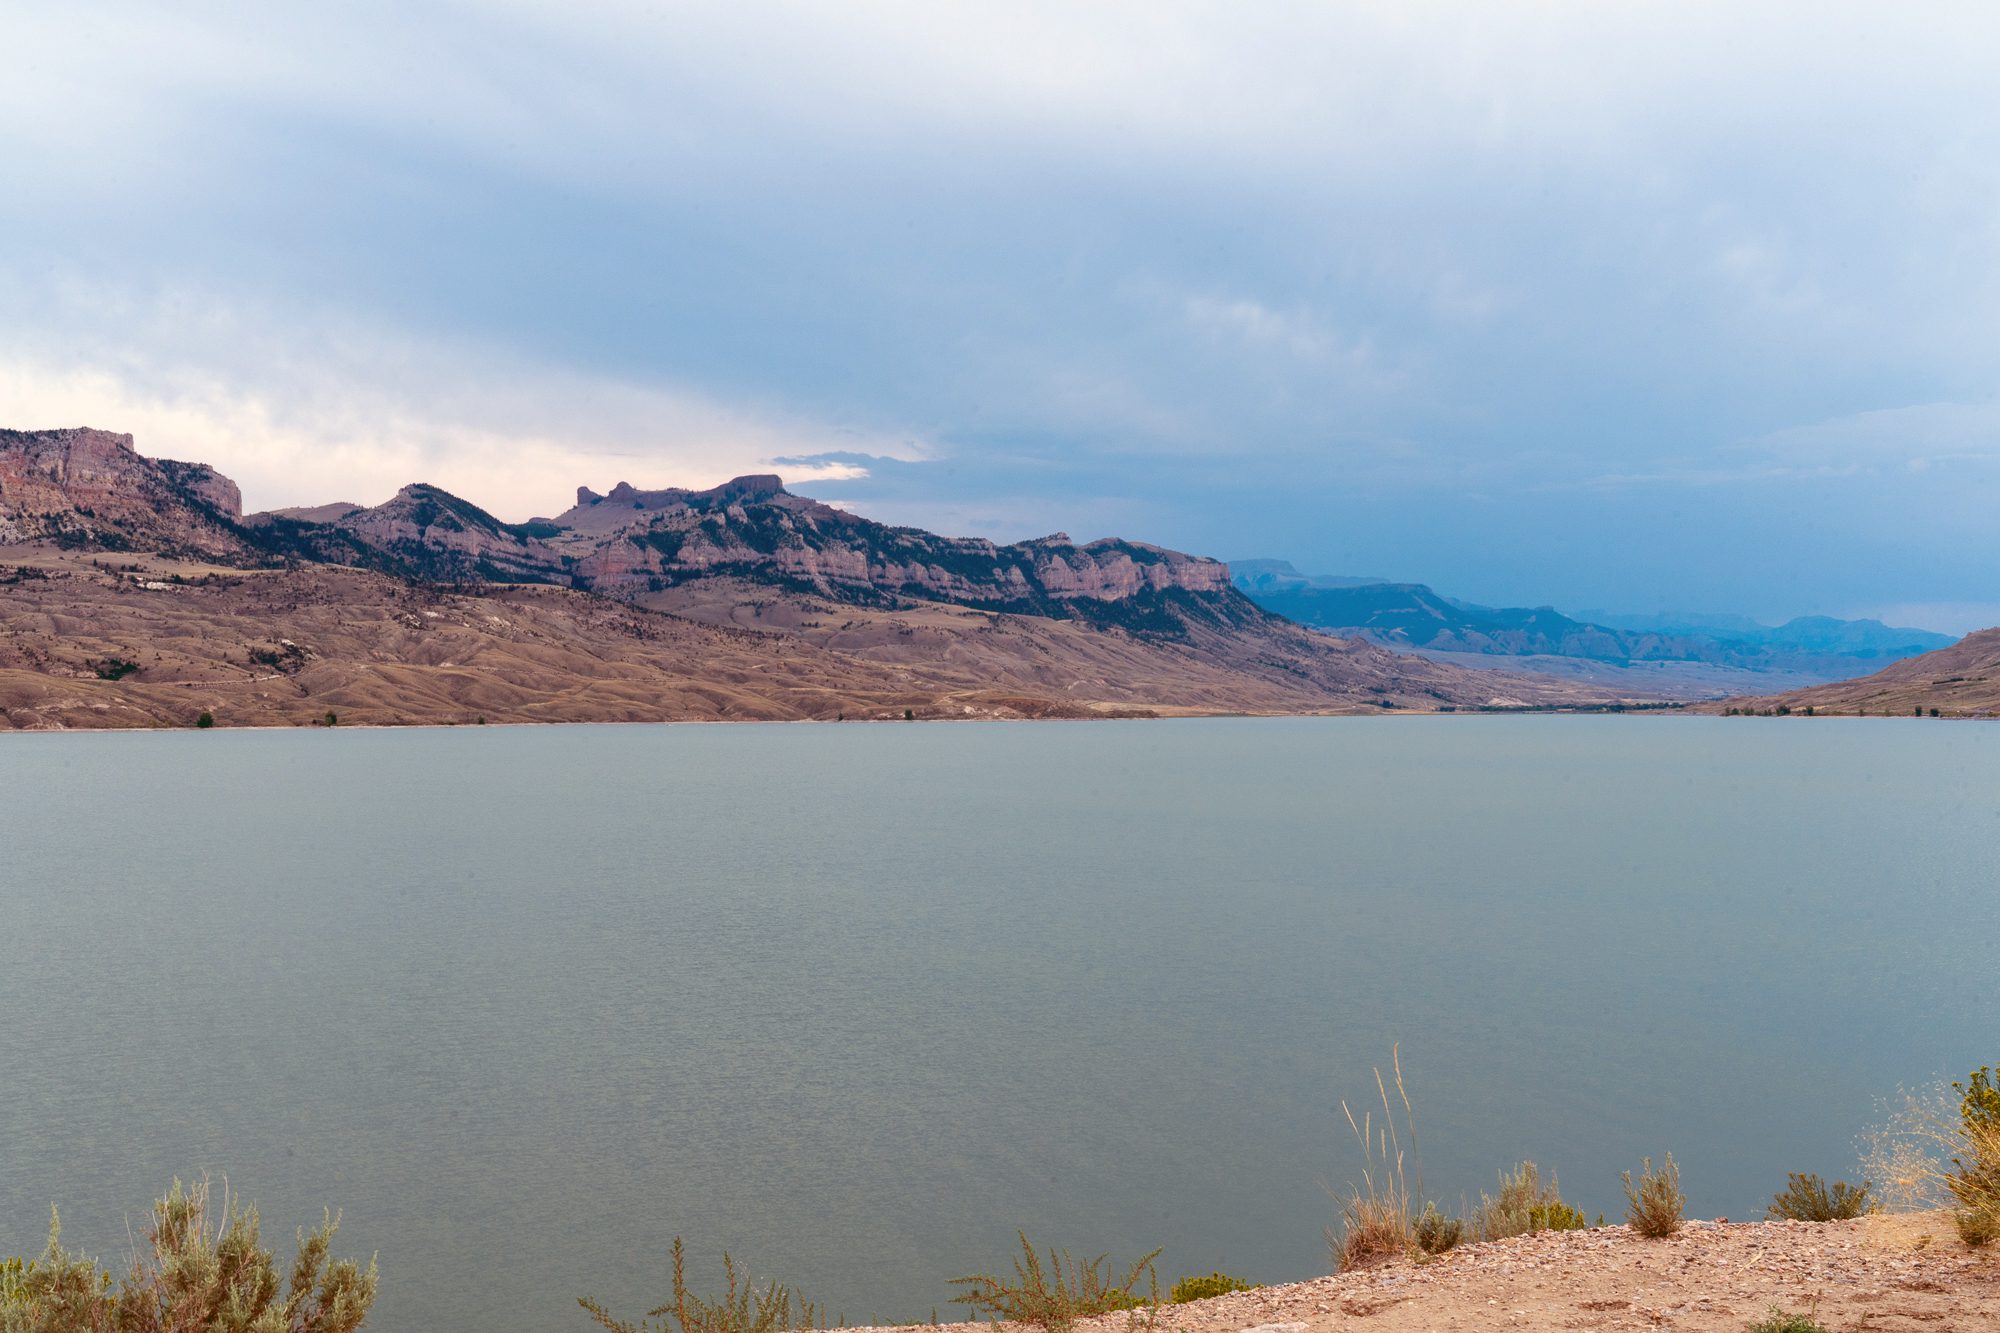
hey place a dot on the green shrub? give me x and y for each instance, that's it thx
(1435, 1233)
(206, 720)
(1056, 1297)
(1525, 1205)
(114, 668)
(199, 1271)
(1653, 1205)
(1203, 1288)
(1807, 1198)
(1977, 1227)
(742, 1309)
(1780, 1322)
(1974, 1177)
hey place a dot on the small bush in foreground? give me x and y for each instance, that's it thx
(742, 1309)
(1780, 1322)
(1057, 1296)
(1435, 1233)
(1525, 1205)
(1809, 1199)
(1975, 1177)
(199, 1271)
(1206, 1287)
(1977, 1227)
(1653, 1205)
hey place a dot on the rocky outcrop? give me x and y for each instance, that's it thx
(632, 541)
(90, 488)
(429, 533)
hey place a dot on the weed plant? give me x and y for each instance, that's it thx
(1653, 1204)
(1807, 1198)
(203, 1269)
(742, 1308)
(1435, 1233)
(1205, 1287)
(1525, 1205)
(1781, 1322)
(1056, 1296)
(1940, 1148)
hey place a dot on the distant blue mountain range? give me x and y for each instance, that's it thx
(1415, 616)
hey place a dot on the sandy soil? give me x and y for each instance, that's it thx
(1877, 1274)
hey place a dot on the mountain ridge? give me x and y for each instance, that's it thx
(1414, 617)
(831, 613)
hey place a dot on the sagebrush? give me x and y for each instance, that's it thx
(202, 1269)
(1781, 1322)
(1807, 1198)
(1066, 1290)
(1653, 1204)
(743, 1308)
(1525, 1205)
(1434, 1232)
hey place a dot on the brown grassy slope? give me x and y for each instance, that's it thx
(284, 647)
(1960, 681)
(1278, 667)
(1898, 1274)
(374, 650)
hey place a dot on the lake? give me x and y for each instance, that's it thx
(857, 1001)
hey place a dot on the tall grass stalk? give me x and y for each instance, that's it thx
(1378, 1216)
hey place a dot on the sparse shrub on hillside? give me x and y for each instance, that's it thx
(1435, 1233)
(1807, 1198)
(1653, 1204)
(1781, 1322)
(742, 1308)
(205, 720)
(200, 1270)
(1205, 1287)
(1525, 1205)
(1056, 1296)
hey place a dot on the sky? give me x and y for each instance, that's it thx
(1645, 307)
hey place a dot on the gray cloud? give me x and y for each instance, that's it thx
(1588, 304)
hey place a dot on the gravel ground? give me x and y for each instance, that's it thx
(1879, 1274)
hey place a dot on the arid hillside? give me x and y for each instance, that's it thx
(1960, 681)
(135, 593)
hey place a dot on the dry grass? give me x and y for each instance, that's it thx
(742, 1309)
(1932, 1151)
(1653, 1204)
(1068, 1289)
(1378, 1217)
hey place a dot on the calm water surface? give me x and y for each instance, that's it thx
(858, 1001)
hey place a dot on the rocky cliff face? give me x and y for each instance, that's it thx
(89, 488)
(86, 487)
(632, 541)
(428, 533)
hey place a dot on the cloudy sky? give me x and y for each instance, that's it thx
(1674, 306)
